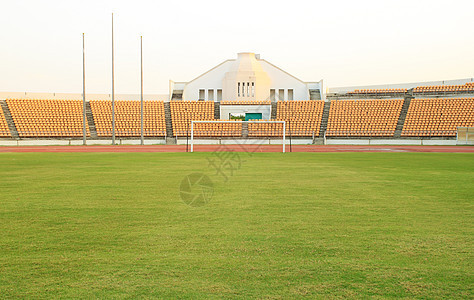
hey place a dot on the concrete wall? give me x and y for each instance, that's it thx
(201, 141)
(465, 143)
(65, 142)
(182, 141)
(389, 142)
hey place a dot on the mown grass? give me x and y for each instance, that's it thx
(294, 225)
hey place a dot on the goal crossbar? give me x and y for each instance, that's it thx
(234, 122)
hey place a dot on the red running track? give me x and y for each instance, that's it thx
(241, 148)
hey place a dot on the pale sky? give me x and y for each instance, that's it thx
(343, 42)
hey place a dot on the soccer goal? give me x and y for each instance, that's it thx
(242, 132)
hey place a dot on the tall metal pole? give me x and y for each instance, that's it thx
(284, 135)
(113, 88)
(84, 132)
(290, 129)
(187, 128)
(187, 135)
(141, 90)
(289, 125)
(192, 138)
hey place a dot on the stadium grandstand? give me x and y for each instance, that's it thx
(183, 112)
(47, 118)
(424, 117)
(438, 117)
(127, 118)
(364, 117)
(303, 118)
(249, 89)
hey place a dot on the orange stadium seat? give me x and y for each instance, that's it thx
(127, 118)
(363, 117)
(47, 118)
(438, 117)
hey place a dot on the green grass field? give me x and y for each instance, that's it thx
(288, 225)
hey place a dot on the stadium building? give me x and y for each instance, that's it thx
(247, 78)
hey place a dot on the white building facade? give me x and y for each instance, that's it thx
(247, 78)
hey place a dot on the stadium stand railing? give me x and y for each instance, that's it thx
(438, 117)
(363, 118)
(430, 117)
(127, 118)
(47, 118)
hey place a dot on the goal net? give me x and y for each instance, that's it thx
(239, 132)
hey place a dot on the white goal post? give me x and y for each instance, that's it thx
(234, 122)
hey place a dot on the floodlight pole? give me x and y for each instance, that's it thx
(84, 132)
(284, 134)
(141, 91)
(187, 135)
(113, 87)
(289, 129)
(187, 129)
